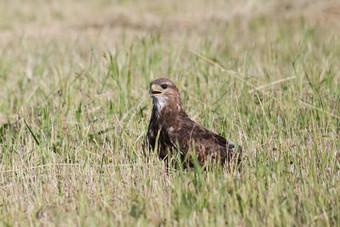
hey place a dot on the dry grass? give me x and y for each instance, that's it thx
(74, 109)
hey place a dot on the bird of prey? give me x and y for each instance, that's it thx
(171, 131)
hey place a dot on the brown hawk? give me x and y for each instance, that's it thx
(171, 131)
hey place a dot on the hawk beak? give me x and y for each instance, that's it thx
(154, 91)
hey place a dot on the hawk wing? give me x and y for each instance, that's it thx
(189, 135)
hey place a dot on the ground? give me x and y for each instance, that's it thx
(74, 108)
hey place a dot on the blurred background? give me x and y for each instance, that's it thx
(104, 25)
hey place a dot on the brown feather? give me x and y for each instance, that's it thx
(178, 133)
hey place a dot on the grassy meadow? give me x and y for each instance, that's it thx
(74, 108)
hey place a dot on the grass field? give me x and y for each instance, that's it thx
(74, 108)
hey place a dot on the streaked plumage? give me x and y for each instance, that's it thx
(178, 133)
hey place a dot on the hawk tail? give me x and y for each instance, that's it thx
(235, 155)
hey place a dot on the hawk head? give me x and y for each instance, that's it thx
(165, 94)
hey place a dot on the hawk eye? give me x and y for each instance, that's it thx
(164, 86)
